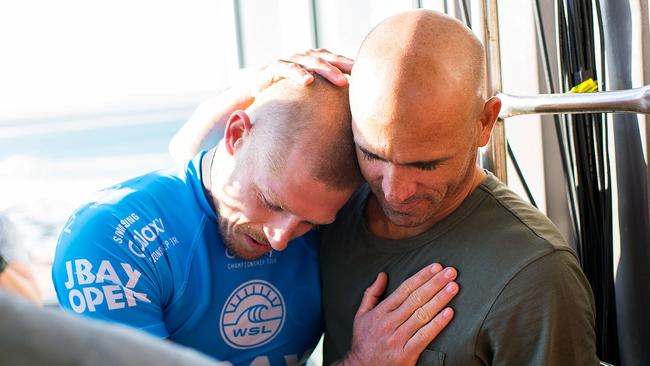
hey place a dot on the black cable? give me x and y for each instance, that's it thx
(464, 7)
(520, 175)
(585, 139)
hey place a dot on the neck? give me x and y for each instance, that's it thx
(380, 225)
(216, 165)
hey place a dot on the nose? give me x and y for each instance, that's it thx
(395, 184)
(281, 231)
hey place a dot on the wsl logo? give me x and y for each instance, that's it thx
(253, 315)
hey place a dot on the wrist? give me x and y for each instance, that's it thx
(351, 359)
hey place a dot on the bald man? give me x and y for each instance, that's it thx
(220, 256)
(419, 116)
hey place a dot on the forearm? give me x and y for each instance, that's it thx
(206, 124)
(12, 280)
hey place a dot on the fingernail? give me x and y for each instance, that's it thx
(446, 313)
(436, 268)
(451, 288)
(449, 273)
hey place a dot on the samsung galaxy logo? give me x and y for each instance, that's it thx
(143, 236)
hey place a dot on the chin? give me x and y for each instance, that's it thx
(237, 250)
(405, 221)
(414, 218)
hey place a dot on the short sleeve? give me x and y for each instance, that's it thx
(544, 316)
(100, 270)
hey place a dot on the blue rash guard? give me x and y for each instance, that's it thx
(148, 253)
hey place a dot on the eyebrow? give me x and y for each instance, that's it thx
(271, 198)
(417, 164)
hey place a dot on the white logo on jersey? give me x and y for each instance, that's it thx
(253, 315)
(143, 236)
(116, 295)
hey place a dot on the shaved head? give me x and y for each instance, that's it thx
(419, 116)
(312, 121)
(421, 56)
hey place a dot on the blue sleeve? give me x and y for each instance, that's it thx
(100, 270)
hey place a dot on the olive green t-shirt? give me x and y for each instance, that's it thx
(523, 298)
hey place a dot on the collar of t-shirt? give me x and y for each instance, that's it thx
(400, 246)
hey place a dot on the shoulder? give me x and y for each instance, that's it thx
(140, 202)
(552, 275)
(132, 225)
(516, 225)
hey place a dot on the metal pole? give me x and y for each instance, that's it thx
(493, 157)
(630, 100)
(313, 21)
(241, 60)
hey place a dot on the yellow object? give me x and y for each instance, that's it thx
(587, 86)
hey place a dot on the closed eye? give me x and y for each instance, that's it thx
(368, 156)
(267, 204)
(425, 166)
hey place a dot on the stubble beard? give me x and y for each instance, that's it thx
(233, 239)
(409, 219)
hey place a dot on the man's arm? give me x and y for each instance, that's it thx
(544, 316)
(102, 271)
(16, 277)
(206, 124)
(397, 330)
(33, 336)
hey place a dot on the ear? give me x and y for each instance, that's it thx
(238, 126)
(487, 119)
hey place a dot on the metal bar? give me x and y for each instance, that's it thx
(464, 12)
(416, 4)
(493, 156)
(241, 60)
(630, 100)
(313, 21)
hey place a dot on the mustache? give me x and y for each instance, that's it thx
(255, 234)
(380, 193)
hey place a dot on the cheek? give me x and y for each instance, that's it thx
(371, 170)
(442, 179)
(251, 211)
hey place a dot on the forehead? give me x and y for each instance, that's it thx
(407, 137)
(411, 119)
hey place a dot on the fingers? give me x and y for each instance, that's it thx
(425, 335)
(283, 69)
(341, 62)
(322, 67)
(325, 63)
(372, 294)
(397, 298)
(299, 68)
(413, 304)
(424, 314)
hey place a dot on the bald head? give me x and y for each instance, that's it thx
(419, 58)
(313, 122)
